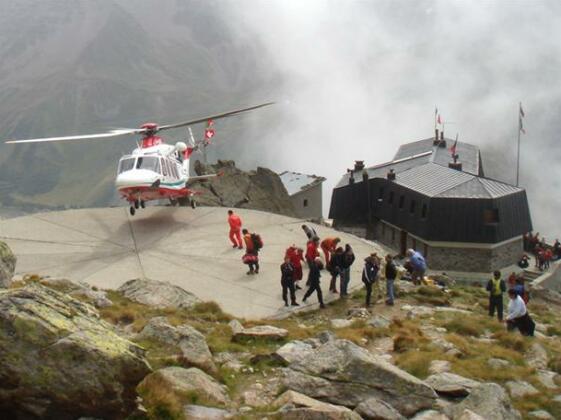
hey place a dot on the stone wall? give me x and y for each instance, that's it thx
(452, 258)
(308, 204)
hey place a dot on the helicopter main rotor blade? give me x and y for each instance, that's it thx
(213, 117)
(113, 133)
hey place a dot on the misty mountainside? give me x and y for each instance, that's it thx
(83, 67)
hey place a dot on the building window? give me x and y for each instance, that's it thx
(390, 200)
(491, 216)
(381, 194)
(424, 211)
(401, 201)
(412, 207)
(305, 202)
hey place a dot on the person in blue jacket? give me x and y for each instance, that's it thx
(418, 264)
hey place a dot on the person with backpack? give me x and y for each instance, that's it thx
(287, 282)
(253, 244)
(347, 260)
(312, 251)
(235, 223)
(334, 267)
(496, 287)
(314, 281)
(370, 275)
(329, 245)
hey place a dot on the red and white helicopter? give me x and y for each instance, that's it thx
(156, 170)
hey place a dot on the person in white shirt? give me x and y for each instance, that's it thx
(518, 316)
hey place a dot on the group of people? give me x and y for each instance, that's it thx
(543, 253)
(253, 242)
(517, 312)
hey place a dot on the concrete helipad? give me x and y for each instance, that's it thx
(186, 247)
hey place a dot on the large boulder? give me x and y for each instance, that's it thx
(487, 400)
(375, 409)
(59, 360)
(187, 344)
(7, 265)
(158, 294)
(343, 373)
(186, 383)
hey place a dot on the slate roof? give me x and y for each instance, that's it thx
(295, 182)
(468, 153)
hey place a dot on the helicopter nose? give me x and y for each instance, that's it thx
(135, 178)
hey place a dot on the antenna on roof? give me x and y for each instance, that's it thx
(453, 151)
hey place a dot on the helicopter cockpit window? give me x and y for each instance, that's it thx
(150, 163)
(126, 165)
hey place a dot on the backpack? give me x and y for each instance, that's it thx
(257, 241)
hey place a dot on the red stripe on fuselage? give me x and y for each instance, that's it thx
(149, 193)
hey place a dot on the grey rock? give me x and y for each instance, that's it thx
(439, 366)
(199, 412)
(192, 349)
(487, 400)
(430, 415)
(189, 381)
(7, 265)
(293, 351)
(375, 409)
(540, 414)
(341, 323)
(343, 373)
(54, 351)
(498, 363)
(326, 336)
(450, 384)
(547, 378)
(291, 399)
(158, 294)
(378, 321)
(264, 332)
(469, 415)
(358, 313)
(537, 357)
(79, 289)
(519, 389)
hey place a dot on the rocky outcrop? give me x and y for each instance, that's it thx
(158, 294)
(489, 401)
(263, 332)
(7, 265)
(81, 290)
(519, 389)
(299, 406)
(450, 384)
(261, 189)
(188, 345)
(188, 382)
(59, 360)
(343, 373)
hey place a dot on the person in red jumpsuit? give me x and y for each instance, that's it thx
(235, 229)
(328, 245)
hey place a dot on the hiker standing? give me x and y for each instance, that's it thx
(296, 256)
(518, 316)
(253, 244)
(314, 281)
(370, 275)
(347, 260)
(391, 274)
(235, 223)
(334, 268)
(496, 287)
(312, 251)
(287, 282)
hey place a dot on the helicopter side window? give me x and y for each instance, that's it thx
(126, 165)
(164, 168)
(149, 163)
(174, 169)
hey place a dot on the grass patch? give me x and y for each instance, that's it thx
(417, 362)
(360, 330)
(160, 400)
(432, 296)
(406, 335)
(512, 340)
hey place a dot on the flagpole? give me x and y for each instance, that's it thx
(518, 155)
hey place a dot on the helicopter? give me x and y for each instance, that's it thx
(156, 170)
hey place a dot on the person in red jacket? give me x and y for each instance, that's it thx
(328, 245)
(312, 251)
(296, 256)
(235, 229)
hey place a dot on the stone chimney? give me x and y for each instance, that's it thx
(359, 165)
(391, 175)
(455, 165)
